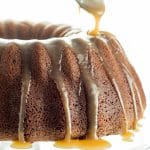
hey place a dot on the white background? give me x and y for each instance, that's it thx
(127, 19)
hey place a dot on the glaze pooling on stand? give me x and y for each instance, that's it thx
(21, 145)
(84, 144)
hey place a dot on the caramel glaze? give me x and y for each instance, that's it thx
(21, 145)
(26, 81)
(83, 144)
(25, 88)
(135, 87)
(115, 74)
(115, 66)
(117, 49)
(81, 49)
(96, 30)
(129, 72)
(56, 54)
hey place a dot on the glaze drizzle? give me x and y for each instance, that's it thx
(25, 88)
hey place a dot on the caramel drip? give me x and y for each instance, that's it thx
(113, 76)
(134, 83)
(131, 84)
(64, 93)
(140, 99)
(25, 88)
(91, 86)
(125, 129)
(96, 9)
(96, 30)
(121, 58)
(84, 144)
(56, 53)
(124, 61)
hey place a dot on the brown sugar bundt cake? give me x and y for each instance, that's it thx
(57, 82)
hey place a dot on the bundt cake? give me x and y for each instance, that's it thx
(57, 82)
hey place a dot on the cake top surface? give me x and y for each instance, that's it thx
(53, 32)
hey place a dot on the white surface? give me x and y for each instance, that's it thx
(127, 19)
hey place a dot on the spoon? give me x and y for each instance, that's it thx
(96, 7)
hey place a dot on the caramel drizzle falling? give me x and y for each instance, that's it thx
(96, 29)
(96, 9)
